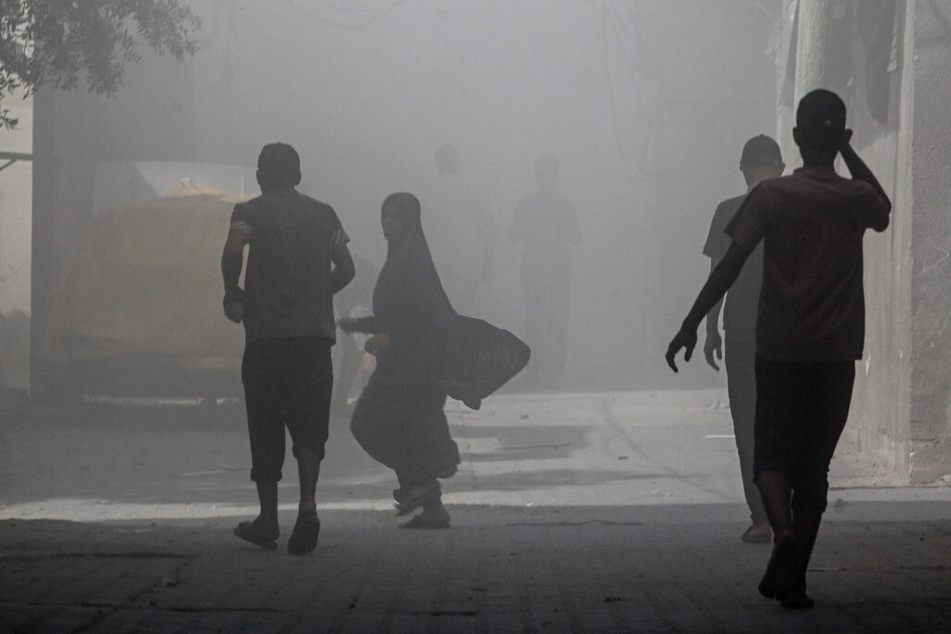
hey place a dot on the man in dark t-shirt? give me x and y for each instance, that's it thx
(297, 260)
(810, 326)
(760, 160)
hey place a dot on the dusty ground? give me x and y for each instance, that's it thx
(605, 512)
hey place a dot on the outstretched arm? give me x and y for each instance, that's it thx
(720, 280)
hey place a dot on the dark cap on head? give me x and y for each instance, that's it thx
(761, 150)
(279, 161)
(821, 111)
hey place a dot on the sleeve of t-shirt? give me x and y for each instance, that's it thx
(718, 242)
(748, 225)
(339, 236)
(241, 219)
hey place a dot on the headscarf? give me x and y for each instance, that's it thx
(409, 275)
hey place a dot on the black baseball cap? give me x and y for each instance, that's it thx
(279, 160)
(761, 150)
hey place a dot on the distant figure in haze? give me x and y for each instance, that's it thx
(425, 351)
(810, 328)
(546, 225)
(297, 260)
(462, 231)
(761, 159)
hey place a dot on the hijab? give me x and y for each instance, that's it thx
(409, 273)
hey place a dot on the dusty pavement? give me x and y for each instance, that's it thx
(574, 513)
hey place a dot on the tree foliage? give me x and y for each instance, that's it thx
(62, 43)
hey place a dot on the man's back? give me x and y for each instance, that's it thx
(288, 286)
(812, 305)
(297, 259)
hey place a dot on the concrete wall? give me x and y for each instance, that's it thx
(902, 402)
(879, 417)
(901, 409)
(930, 398)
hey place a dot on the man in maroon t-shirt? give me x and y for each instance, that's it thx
(810, 327)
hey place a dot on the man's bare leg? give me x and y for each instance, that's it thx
(778, 580)
(307, 528)
(263, 531)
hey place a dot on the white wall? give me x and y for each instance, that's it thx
(930, 412)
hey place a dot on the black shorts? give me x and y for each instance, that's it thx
(801, 410)
(287, 383)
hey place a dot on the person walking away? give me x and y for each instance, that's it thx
(297, 259)
(760, 160)
(810, 327)
(545, 223)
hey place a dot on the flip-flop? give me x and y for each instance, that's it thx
(303, 539)
(251, 532)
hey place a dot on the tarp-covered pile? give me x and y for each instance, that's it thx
(143, 294)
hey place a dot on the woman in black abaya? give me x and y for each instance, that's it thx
(399, 418)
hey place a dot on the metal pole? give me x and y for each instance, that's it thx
(13, 157)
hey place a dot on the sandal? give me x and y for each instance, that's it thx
(304, 537)
(255, 533)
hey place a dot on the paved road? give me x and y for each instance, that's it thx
(573, 513)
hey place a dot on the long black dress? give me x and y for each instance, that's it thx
(399, 418)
